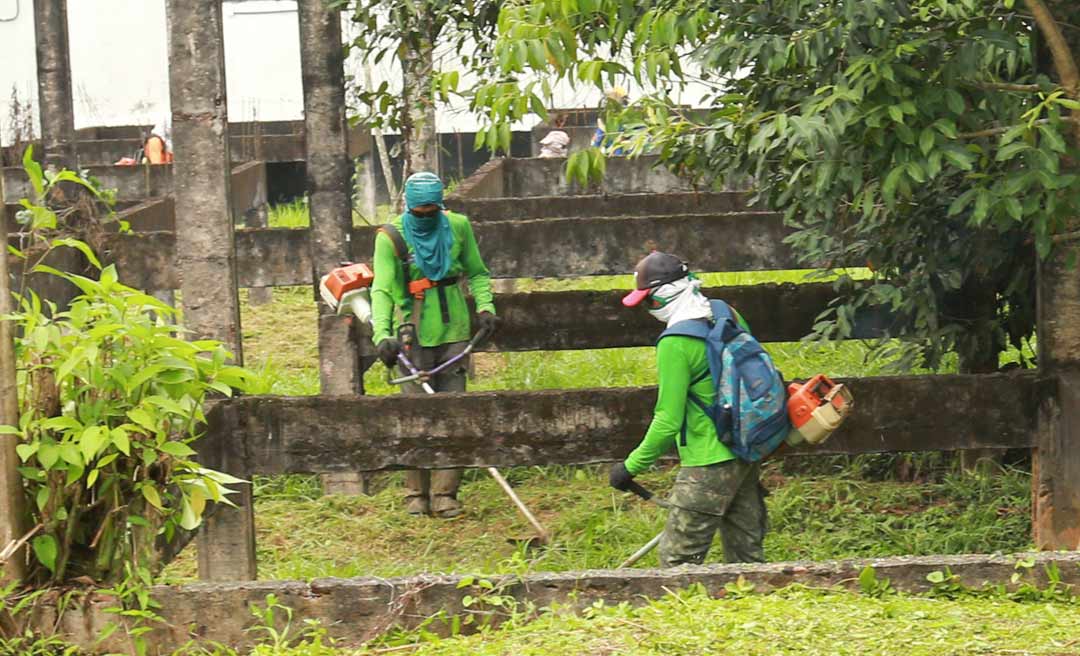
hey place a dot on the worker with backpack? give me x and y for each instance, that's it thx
(721, 403)
(419, 260)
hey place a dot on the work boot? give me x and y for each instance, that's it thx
(416, 505)
(445, 506)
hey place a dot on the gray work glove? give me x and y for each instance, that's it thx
(488, 322)
(388, 350)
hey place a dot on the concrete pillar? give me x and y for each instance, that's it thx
(55, 105)
(328, 185)
(205, 251)
(12, 500)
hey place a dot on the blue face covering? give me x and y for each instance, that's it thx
(430, 236)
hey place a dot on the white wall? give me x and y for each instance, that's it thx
(120, 72)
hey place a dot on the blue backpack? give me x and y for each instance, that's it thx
(750, 412)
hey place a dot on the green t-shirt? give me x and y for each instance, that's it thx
(388, 290)
(679, 360)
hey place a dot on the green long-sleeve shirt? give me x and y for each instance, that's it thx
(388, 290)
(679, 360)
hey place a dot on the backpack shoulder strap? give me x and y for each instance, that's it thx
(698, 328)
(721, 311)
(401, 249)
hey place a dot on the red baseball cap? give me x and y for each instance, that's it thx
(653, 270)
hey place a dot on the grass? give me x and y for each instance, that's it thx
(795, 620)
(297, 215)
(303, 534)
(822, 509)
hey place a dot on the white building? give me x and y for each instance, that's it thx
(119, 64)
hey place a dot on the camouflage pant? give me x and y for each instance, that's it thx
(732, 493)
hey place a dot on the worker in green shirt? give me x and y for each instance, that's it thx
(714, 490)
(424, 286)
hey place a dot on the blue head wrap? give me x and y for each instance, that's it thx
(430, 236)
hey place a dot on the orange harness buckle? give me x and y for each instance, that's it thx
(418, 287)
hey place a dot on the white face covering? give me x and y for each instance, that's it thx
(684, 302)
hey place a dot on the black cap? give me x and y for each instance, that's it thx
(653, 270)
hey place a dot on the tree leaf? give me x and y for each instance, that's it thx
(955, 101)
(178, 449)
(151, 495)
(1014, 208)
(926, 141)
(26, 450)
(47, 455)
(188, 519)
(45, 550)
(143, 418)
(91, 442)
(121, 441)
(1010, 151)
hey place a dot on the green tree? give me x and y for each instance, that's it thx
(928, 139)
(110, 401)
(409, 30)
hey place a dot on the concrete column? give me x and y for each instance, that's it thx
(12, 501)
(328, 183)
(205, 249)
(55, 105)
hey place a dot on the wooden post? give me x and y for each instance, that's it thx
(1056, 469)
(205, 251)
(12, 499)
(329, 175)
(55, 104)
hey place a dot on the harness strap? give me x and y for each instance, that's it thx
(417, 288)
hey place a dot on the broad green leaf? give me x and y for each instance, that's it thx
(189, 520)
(121, 441)
(982, 205)
(62, 423)
(26, 450)
(45, 550)
(892, 180)
(1053, 138)
(42, 498)
(955, 101)
(178, 449)
(1014, 208)
(92, 441)
(1010, 151)
(143, 376)
(69, 453)
(143, 418)
(47, 455)
(82, 247)
(151, 495)
(34, 172)
(926, 141)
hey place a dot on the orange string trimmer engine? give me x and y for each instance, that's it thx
(816, 408)
(346, 289)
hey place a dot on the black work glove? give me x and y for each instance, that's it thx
(388, 350)
(488, 322)
(619, 478)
